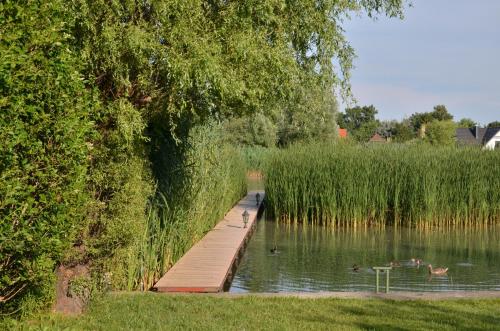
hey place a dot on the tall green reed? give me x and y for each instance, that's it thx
(360, 185)
(255, 156)
(195, 189)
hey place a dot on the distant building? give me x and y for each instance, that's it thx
(376, 138)
(342, 133)
(489, 138)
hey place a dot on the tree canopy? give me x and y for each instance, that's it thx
(441, 133)
(466, 123)
(360, 121)
(440, 113)
(495, 124)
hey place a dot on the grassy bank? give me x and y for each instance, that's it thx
(162, 312)
(372, 184)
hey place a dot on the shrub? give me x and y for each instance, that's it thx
(441, 133)
(45, 121)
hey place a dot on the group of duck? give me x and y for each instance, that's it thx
(413, 262)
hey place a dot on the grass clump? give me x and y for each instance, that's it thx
(396, 184)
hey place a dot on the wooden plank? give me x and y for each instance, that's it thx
(206, 266)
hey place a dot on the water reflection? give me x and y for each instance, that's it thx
(322, 259)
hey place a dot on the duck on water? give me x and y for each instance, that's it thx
(437, 271)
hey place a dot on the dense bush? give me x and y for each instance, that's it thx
(362, 185)
(45, 130)
(441, 133)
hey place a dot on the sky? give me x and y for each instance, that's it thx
(442, 52)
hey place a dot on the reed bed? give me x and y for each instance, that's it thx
(187, 204)
(361, 185)
(255, 157)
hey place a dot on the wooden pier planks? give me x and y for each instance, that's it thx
(206, 266)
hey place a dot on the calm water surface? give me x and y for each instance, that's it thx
(313, 259)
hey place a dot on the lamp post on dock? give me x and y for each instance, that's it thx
(245, 218)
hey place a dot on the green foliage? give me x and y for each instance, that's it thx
(45, 126)
(189, 205)
(441, 133)
(495, 124)
(256, 130)
(402, 132)
(310, 116)
(361, 185)
(466, 123)
(91, 89)
(440, 113)
(419, 121)
(360, 122)
(255, 157)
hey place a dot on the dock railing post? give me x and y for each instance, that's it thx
(377, 271)
(387, 282)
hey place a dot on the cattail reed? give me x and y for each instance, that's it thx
(362, 185)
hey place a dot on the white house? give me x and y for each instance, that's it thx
(489, 138)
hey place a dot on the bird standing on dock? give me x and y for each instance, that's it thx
(437, 271)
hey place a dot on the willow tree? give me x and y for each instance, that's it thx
(162, 66)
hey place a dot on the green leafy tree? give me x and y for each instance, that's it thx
(466, 123)
(257, 130)
(440, 113)
(359, 121)
(495, 124)
(441, 133)
(311, 117)
(402, 132)
(419, 121)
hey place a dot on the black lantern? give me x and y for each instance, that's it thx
(257, 197)
(245, 218)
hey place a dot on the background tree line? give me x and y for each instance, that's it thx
(436, 127)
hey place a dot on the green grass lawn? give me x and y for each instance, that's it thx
(193, 312)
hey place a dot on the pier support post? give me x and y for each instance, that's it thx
(377, 284)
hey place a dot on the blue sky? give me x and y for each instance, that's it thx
(443, 52)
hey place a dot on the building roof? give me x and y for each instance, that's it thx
(377, 138)
(475, 136)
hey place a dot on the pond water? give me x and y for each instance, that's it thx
(313, 259)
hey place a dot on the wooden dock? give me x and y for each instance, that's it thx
(209, 263)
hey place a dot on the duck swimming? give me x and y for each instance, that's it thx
(355, 267)
(274, 249)
(437, 271)
(395, 264)
(416, 261)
